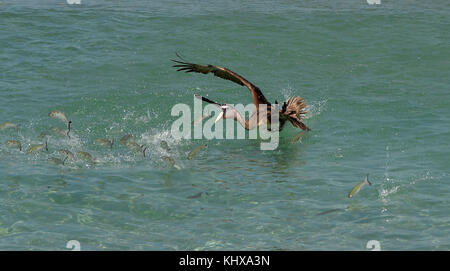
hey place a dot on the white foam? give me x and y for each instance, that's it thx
(384, 192)
(74, 2)
(373, 2)
(315, 108)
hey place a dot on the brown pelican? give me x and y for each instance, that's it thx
(292, 110)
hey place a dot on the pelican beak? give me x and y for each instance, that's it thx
(219, 117)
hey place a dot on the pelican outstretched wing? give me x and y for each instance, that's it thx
(258, 97)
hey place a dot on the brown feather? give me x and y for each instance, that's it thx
(294, 110)
(224, 73)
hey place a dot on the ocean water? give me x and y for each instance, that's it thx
(376, 78)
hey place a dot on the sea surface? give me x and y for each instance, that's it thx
(376, 79)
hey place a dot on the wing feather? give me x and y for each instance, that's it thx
(224, 73)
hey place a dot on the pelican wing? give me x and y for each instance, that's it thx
(258, 97)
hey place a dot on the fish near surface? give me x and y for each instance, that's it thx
(61, 116)
(38, 147)
(56, 114)
(168, 160)
(329, 211)
(85, 156)
(164, 145)
(60, 132)
(14, 144)
(297, 137)
(198, 195)
(104, 142)
(66, 153)
(133, 146)
(126, 138)
(196, 150)
(358, 187)
(56, 161)
(44, 134)
(7, 125)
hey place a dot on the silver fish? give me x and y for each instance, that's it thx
(85, 156)
(329, 211)
(38, 147)
(195, 151)
(168, 160)
(60, 115)
(297, 137)
(198, 195)
(164, 145)
(60, 132)
(126, 138)
(133, 146)
(358, 187)
(66, 153)
(56, 161)
(14, 144)
(105, 142)
(44, 134)
(7, 125)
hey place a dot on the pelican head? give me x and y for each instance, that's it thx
(228, 112)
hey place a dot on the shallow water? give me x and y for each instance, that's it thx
(375, 77)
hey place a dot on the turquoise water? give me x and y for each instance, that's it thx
(376, 79)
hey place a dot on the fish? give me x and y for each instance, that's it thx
(56, 114)
(297, 137)
(195, 151)
(201, 118)
(59, 132)
(60, 115)
(164, 145)
(105, 142)
(329, 211)
(198, 195)
(358, 187)
(168, 160)
(56, 161)
(7, 125)
(38, 147)
(14, 144)
(133, 146)
(85, 156)
(126, 138)
(66, 153)
(44, 134)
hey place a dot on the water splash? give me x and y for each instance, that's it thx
(315, 108)
(74, 2)
(388, 186)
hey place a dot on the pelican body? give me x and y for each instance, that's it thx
(293, 110)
